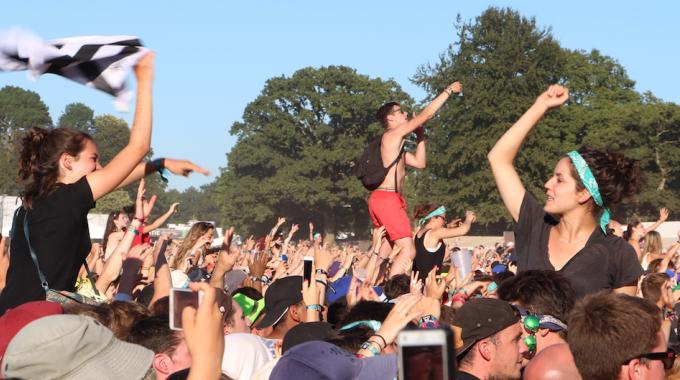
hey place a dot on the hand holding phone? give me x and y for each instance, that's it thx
(307, 273)
(426, 354)
(179, 299)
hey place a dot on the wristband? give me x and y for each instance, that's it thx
(381, 338)
(159, 164)
(370, 347)
(321, 271)
(135, 231)
(324, 283)
(316, 307)
(428, 322)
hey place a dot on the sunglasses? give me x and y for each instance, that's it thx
(667, 358)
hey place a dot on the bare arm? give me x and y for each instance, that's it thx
(161, 219)
(464, 228)
(419, 159)
(108, 178)
(663, 216)
(503, 154)
(426, 114)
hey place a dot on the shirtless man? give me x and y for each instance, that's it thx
(386, 204)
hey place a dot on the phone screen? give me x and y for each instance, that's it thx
(423, 362)
(179, 299)
(307, 274)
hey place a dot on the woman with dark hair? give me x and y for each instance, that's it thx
(568, 233)
(430, 235)
(63, 179)
(116, 225)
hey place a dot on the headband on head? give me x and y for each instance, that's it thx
(372, 324)
(590, 183)
(439, 211)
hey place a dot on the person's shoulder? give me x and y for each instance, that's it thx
(617, 244)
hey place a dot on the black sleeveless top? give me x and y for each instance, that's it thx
(425, 260)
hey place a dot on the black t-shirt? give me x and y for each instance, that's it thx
(61, 239)
(425, 259)
(605, 262)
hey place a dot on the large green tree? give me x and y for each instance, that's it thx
(78, 116)
(294, 149)
(504, 61)
(20, 110)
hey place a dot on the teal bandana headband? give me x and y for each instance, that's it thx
(373, 325)
(590, 184)
(440, 211)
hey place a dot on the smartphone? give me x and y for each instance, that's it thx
(179, 299)
(426, 354)
(307, 274)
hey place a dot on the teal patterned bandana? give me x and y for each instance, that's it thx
(440, 211)
(590, 184)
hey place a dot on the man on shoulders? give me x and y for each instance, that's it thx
(386, 204)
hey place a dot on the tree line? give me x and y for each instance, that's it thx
(298, 138)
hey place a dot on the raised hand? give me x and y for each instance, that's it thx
(553, 97)
(258, 264)
(470, 217)
(455, 87)
(434, 289)
(173, 207)
(183, 167)
(416, 284)
(663, 214)
(142, 206)
(203, 332)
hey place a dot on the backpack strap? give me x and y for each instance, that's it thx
(34, 257)
(401, 153)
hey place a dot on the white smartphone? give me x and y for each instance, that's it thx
(179, 299)
(426, 354)
(307, 273)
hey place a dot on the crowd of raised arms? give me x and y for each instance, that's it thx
(575, 295)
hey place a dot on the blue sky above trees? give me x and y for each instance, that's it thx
(214, 57)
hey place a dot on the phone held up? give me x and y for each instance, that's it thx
(179, 299)
(426, 354)
(307, 270)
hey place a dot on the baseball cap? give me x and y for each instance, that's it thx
(322, 360)
(16, 318)
(480, 318)
(73, 347)
(280, 295)
(306, 332)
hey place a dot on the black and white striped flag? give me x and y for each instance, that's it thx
(101, 62)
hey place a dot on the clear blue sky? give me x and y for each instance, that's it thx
(213, 57)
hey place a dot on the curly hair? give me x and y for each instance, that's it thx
(617, 177)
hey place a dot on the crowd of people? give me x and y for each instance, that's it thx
(576, 295)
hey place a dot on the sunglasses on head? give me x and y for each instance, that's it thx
(667, 358)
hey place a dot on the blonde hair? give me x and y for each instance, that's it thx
(197, 230)
(653, 243)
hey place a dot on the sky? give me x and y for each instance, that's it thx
(214, 57)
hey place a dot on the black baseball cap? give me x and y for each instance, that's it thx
(306, 332)
(280, 295)
(480, 318)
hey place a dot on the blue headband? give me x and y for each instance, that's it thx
(590, 183)
(440, 211)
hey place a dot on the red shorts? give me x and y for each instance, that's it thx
(388, 208)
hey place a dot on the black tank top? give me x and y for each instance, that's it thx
(425, 260)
